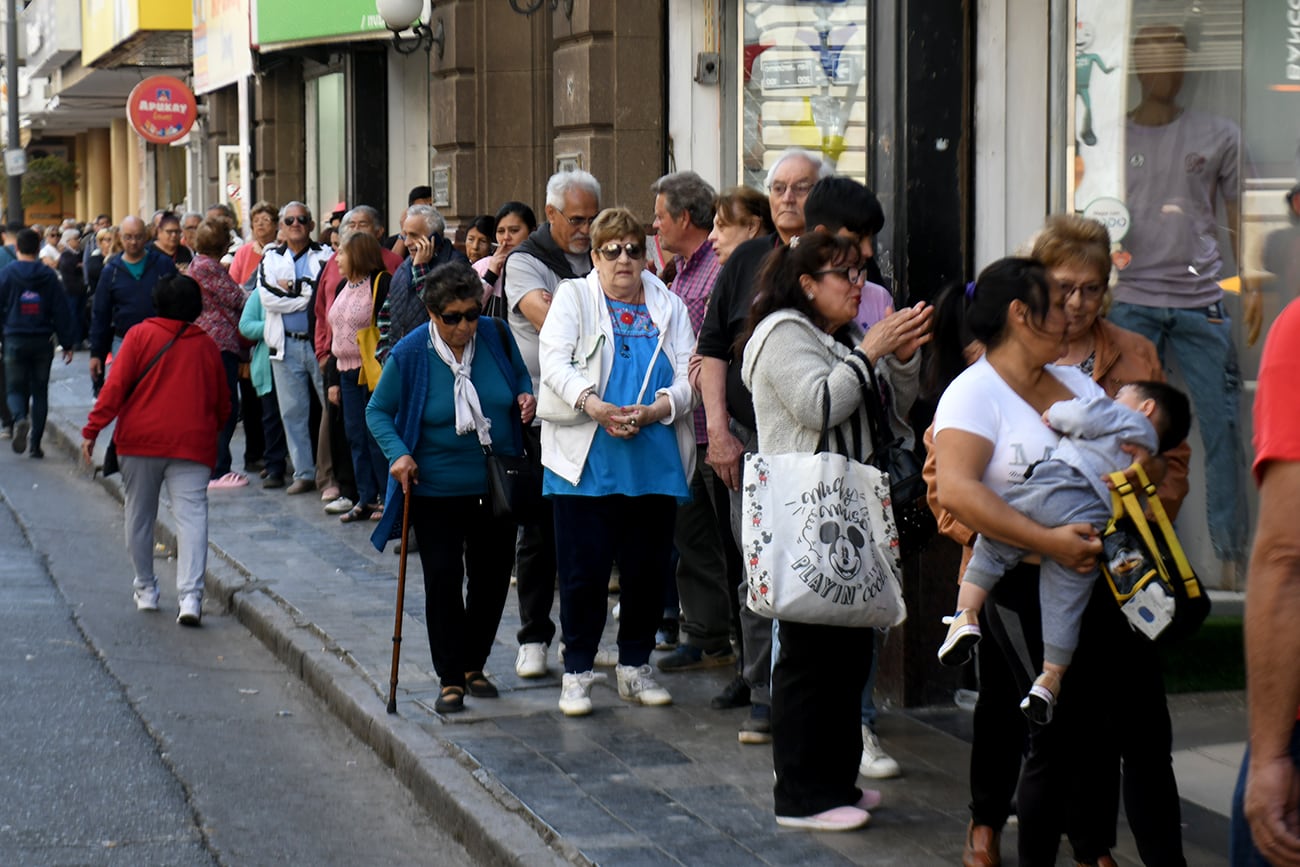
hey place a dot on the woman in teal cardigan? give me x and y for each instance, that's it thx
(447, 391)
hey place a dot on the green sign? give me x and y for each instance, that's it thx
(287, 21)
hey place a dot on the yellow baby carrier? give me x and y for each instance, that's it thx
(1145, 565)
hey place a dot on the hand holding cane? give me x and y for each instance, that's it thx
(401, 593)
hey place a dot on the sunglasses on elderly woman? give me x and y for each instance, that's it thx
(611, 252)
(455, 318)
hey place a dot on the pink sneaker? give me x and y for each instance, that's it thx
(229, 480)
(836, 819)
(870, 800)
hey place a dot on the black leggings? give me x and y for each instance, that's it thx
(1112, 703)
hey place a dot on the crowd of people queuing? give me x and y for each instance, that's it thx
(760, 331)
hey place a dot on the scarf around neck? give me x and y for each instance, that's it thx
(469, 412)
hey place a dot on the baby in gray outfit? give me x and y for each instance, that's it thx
(1067, 488)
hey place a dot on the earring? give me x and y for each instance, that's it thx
(808, 295)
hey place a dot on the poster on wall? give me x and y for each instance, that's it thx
(1100, 69)
(229, 180)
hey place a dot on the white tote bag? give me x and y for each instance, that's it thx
(820, 543)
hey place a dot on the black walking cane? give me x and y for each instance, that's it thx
(401, 594)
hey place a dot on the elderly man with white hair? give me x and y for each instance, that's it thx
(423, 234)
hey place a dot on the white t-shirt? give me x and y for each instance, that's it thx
(979, 402)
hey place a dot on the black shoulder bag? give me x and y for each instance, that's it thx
(916, 523)
(514, 482)
(111, 464)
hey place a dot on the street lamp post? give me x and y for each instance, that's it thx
(15, 192)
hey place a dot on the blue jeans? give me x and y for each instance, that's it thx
(296, 376)
(868, 691)
(1201, 339)
(1241, 847)
(27, 379)
(368, 461)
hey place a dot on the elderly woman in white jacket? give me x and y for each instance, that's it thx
(804, 349)
(617, 471)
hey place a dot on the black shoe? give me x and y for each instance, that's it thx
(477, 685)
(735, 694)
(273, 481)
(35, 452)
(450, 700)
(21, 429)
(667, 636)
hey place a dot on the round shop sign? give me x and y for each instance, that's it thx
(161, 109)
(1111, 213)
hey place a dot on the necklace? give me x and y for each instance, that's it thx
(624, 317)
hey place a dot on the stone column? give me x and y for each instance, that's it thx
(120, 153)
(97, 175)
(279, 150)
(79, 149)
(608, 96)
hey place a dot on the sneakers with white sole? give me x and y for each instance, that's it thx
(191, 610)
(575, 692)
(339, 506)
(963, 635)
(876, 763)
(147, 600)
(637, 684)
(531, 660)
(837, 819)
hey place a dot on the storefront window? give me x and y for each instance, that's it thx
(804, 83)
(1185, 143)
(326, 147)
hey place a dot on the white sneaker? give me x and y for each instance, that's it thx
(637, 684)
(575, 692)
(147, 600)
(191, 610)
(339, 506)
(531, 660)
(876, 763)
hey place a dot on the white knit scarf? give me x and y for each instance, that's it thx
(469, 413)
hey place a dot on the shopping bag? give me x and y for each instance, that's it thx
(820, 545)
(368, 343)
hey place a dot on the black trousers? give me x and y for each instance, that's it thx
(592, 534)
(816, 716)
(536, 567)
(1001, 732)
(1070, 780)
(467, 555)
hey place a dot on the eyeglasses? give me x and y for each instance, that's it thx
(578, 222)
(611, 252)
(294, 218)
(853, 275)
(454, 319)
(1087, 291)
(780, 188)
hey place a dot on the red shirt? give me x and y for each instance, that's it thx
(179, 406)
(1277, 400)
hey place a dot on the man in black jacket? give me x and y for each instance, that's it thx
(35, 310)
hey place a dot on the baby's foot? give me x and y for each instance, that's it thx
(963, 635)
(1041, 701)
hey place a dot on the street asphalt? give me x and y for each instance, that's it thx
(517, 782)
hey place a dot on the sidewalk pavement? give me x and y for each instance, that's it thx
(518, 782)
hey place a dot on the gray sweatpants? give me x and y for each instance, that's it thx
(1054, 494)
(187, 487)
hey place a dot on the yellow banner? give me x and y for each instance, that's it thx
(103, 28)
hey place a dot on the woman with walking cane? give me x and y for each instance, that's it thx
(448, 392)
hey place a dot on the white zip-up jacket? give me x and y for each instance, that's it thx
(278, 264)
(578, 309)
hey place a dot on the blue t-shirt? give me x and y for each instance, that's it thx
(648, 463)
(135, 269)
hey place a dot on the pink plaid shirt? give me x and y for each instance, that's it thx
(694, 284)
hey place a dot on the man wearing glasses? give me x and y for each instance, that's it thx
(286, 285)
(559, 250)
(729, 409)
(124, 295)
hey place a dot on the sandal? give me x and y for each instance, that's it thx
(479, 686)
(450, 700)
(357, 513)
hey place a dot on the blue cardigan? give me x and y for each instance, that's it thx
(410, 357)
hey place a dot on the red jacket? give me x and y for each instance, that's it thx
(178, 408)
(327, 289)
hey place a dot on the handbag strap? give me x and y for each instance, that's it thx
(882, 433)
(153, 361)
(1175, 549)
(823, 439)
(374, 299)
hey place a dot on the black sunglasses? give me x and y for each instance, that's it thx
(293, 218)
(611, 252)
(456, 318)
